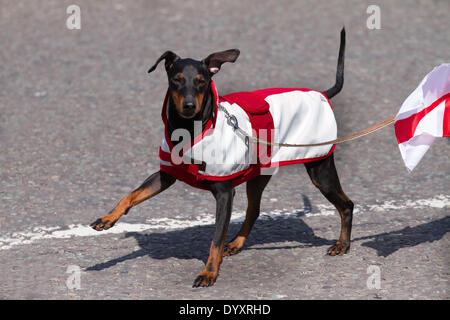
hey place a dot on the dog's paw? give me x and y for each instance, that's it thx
(103, 223)
(339, 248)
(234, 247)
(231, 249)
(205, 279)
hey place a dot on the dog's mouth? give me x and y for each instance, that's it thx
(187, 114)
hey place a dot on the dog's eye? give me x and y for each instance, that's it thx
(177, 81)
(200, 82)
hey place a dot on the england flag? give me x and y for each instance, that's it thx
(424, 115)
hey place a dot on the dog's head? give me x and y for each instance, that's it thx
(189, 79)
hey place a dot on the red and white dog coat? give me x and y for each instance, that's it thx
(280, 115)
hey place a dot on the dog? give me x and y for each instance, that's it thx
(191, 101)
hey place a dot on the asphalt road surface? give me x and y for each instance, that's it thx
(80, 127)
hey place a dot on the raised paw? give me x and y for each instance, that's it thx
(339, 248)
(205, 279)
(234, 247)
(103, 223)
(231, 249)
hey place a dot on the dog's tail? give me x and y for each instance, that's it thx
(330, 93)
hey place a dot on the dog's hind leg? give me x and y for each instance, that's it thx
(324, 176)
(255, 188)
(153, 185)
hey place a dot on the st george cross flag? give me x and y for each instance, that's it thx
(424, 115)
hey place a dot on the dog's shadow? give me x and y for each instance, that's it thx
(389, 242)
(194, 242)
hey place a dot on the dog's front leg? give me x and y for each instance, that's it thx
(223, 193)
(157, 182)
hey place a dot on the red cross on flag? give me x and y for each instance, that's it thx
(424, 115)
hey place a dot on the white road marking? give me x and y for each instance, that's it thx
(40, 233)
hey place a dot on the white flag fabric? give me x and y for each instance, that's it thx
(424, 115)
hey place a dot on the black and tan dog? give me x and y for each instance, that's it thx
(190, 99)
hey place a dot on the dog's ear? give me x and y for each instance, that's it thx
(214, 61)
(169, 58)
